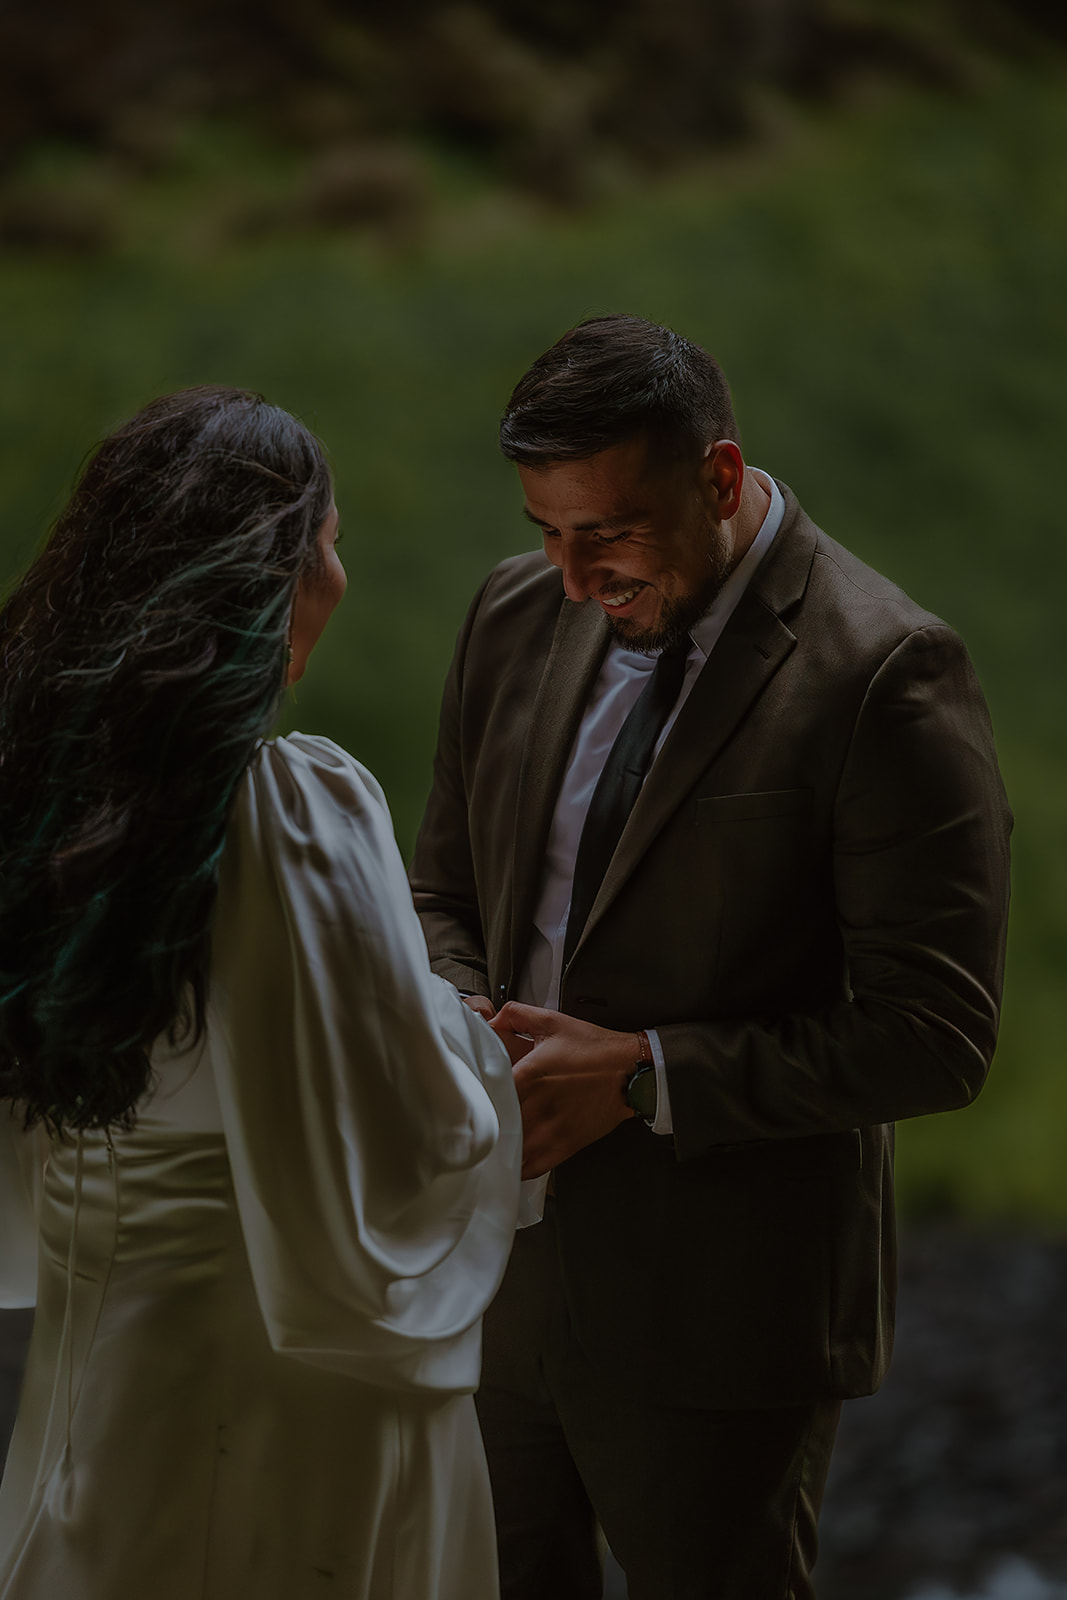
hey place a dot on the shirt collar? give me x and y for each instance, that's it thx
(705, 633)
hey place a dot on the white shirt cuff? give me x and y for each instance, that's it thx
(662, 1122)
(532, 1200)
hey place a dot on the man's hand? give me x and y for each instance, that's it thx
(479, 1003)
(571, 1079)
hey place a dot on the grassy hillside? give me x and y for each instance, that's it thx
(885, 291)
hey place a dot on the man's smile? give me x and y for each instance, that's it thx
(622, 597)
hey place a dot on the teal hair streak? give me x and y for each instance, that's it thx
(141, 659)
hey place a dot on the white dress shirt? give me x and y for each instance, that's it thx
(621, 680)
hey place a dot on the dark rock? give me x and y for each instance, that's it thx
(961, 1461)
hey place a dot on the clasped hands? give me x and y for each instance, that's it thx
(570, 1076)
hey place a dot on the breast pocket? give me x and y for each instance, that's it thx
(715, 808)
(760, 851)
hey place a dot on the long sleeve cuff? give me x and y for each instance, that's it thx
(662, 1122)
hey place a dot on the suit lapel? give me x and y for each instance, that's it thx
(752, 647)
(578, 649)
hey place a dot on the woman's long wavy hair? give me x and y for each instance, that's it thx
(143, 655)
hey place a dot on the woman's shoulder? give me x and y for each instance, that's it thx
(317, 757)
(311, 762)
(309, 788)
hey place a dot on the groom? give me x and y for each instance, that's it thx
(718, 840)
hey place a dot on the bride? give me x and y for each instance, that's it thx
(258, 1166)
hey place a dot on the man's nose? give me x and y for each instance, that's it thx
(582, 574)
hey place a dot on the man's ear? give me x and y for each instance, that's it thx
(723, 474)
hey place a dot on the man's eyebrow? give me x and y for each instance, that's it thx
(626, 520)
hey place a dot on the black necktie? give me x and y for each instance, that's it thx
(620, 783)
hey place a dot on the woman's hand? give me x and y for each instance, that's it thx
(482, 1005)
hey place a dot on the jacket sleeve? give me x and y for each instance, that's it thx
(442, 869)
(920, 864)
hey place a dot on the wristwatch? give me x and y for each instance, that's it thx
(641, 1090)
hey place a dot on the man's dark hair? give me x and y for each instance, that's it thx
(608, 380)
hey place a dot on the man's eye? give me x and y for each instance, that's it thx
(612, 538)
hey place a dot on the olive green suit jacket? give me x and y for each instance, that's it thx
(808, 902)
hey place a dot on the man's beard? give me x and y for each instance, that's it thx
(677, 616)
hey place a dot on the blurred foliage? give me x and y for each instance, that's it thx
(570, 100)
(883, 282)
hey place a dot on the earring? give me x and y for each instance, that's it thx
(289, 652)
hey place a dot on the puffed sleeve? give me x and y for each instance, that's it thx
(370, 1117)
(22, 1157)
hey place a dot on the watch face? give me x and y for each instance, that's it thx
(641, 1091)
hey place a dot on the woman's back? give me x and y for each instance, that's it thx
(258, 1311)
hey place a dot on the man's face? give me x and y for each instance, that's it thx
(641, 535)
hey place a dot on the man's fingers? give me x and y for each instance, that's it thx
(534, 1020)
(515, 1045)
(511, 1027)
(542, 1149)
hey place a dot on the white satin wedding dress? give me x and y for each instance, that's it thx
(258, 1313)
